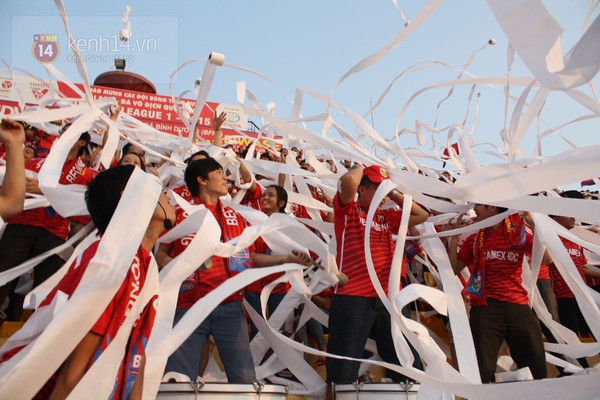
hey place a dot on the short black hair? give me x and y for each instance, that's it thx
(199, 168)
(198, 153)
(35, 153)
(282, 195)
(84, 136)
(128, 146)
(501, 209)
(104, 192)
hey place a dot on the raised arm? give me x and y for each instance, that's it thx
(12, 194)
(457, 265)
(218, 122)
(349, 184)
(269, 260)
(246, 176)
(417, 214)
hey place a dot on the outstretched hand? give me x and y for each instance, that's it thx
(218, 121)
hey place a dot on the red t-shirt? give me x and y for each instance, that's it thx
(252, 200)
(111, 319)
(502, 264)
(45, 144)
(200, 283)
(592, 281)
(561, 289)
(73, 172)
(184, 192)
(544, 272)
(349, 226)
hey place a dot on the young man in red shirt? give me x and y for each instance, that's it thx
(227, 323)
(102, 198)
(500, 306)
(356, 311)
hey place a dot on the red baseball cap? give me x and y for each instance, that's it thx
(376, 174)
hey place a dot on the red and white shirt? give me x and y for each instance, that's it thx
(73, 172)
(252, 200)
(349, 225)
(111, 319)
(561, 289)
(503, 264)
(199, 283)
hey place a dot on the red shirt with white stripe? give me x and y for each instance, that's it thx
(561, 289)
(252, 200)
(503, 264)
(349, 226)
(111, 319)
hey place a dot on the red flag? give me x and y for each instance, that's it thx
(446, 154)
(589, 182)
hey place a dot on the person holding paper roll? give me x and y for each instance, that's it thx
(356, 311)
(102, 198)
(12, 193)
(500, 306)
(227, 322)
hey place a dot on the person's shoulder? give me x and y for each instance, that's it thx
(35, 163)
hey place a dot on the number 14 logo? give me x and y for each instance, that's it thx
(45, 48)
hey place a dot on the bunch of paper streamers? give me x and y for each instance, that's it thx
(507, 184)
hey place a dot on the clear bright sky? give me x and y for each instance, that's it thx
(314, 43)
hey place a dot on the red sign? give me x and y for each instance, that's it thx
(156, 111)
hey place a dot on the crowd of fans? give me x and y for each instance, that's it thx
(499, 304)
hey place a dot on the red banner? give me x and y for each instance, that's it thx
(154, 110)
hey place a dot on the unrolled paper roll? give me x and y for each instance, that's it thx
(216, 58)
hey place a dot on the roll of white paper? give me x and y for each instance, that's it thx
(216, 58)
(173, 376)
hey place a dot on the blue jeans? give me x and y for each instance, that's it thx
(227, 324)
(254, 300)
(351, 322)
(314, 328)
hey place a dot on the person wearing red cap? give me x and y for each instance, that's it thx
(356, 311)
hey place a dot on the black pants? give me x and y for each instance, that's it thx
(516, 324)
(351, 321)
(572, 318)
(21, 243)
